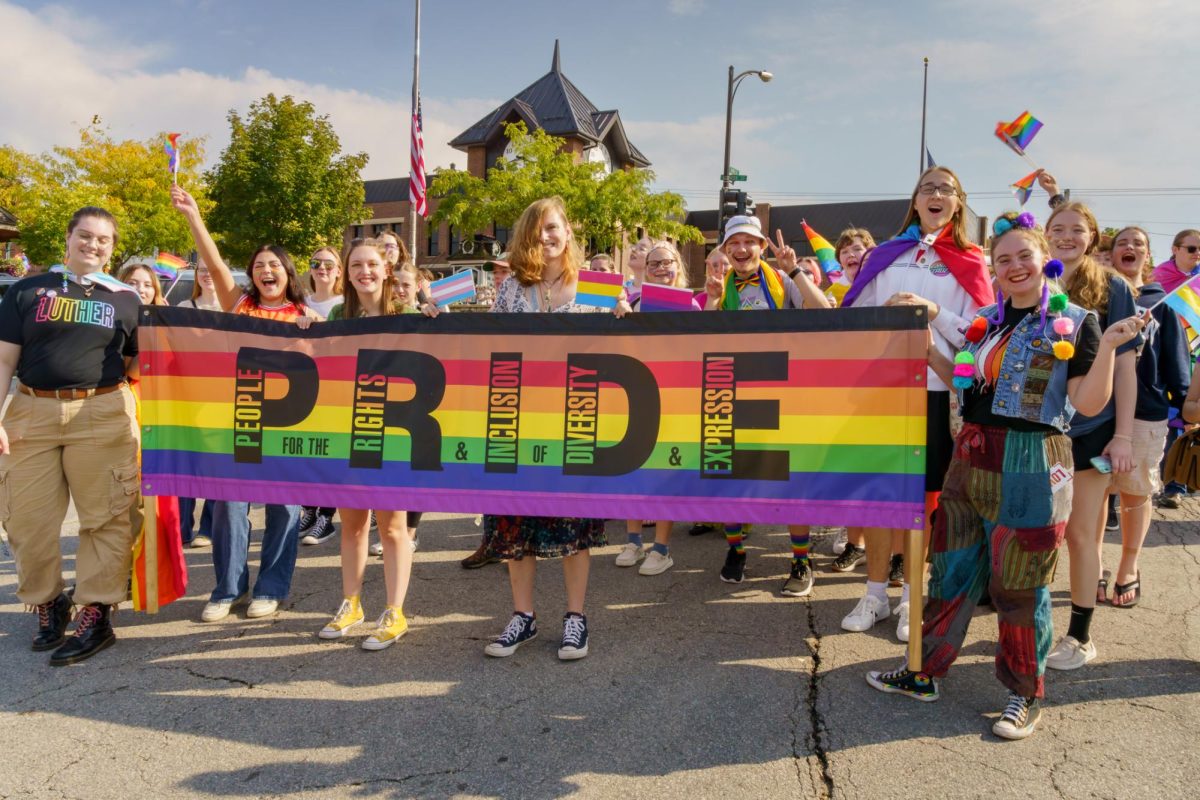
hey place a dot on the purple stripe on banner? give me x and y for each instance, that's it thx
(475, 501)
(319, 475)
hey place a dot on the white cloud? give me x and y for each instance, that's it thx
(686, 7)
(65, 82)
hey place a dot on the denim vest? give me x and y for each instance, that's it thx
(1033, 382)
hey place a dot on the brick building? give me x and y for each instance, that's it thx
(551, 103)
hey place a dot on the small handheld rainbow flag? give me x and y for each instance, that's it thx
(167, 265)
(824, 252)
(598, 289)
(1018, 133)
(171, 148)
(457, 288)
(665, 298)
(1024, 187)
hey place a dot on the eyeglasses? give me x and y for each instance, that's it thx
(391, 246)
(322, 264)
(929, 190)
(666, 262)
(1190, 248)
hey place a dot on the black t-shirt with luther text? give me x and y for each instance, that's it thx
(69, 340)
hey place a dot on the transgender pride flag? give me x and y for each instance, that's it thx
(458, 288)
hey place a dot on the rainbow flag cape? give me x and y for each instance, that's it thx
(1024, 187)
(823, 250)
(1018, 133)
(167, 265)
(171, 148)
(665, 298)
(457, 288)
(1185, 301)
(598, 289)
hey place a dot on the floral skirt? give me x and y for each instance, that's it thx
(542, 537)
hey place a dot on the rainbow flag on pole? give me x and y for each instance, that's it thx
(457, 288)
(171, 148)
(167, 265)
(1019, 133)
(598, 289)
(824, 252)
(1024, 188)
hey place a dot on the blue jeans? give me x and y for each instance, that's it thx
(187, 517)
(231, 548)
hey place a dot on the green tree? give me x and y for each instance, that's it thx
(283, 181)
(601, 207)
(128, 178)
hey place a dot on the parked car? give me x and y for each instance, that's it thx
(178, 291)
(6, 281)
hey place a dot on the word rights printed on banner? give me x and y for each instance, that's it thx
(811, 417)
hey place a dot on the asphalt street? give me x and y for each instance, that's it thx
(694, 688)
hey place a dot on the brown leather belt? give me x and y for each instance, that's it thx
(69, 394)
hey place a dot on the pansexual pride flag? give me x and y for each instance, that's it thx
(168, 265)
(598, 289)
(1185, 301)
(809, 417)
(457, 288)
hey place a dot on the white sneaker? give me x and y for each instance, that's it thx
(376, 548)
(901, 611)
(630, 554)
(1070, 654)
(839, 542)
(261, 607)
(216, 611)
(656, 563)
(870, 609)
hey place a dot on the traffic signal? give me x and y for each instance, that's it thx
(734, 202)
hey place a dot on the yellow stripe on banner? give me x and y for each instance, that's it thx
(1188, 295)
(795, 429)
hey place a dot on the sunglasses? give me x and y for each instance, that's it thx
(1190, 248)
(322, 264)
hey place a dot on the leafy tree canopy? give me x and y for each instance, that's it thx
(283, 180)
(601, 207)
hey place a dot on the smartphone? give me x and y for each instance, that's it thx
(1102, 465)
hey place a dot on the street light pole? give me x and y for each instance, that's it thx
(730, 91)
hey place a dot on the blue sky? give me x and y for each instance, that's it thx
(841, 117)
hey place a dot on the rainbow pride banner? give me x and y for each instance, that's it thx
(790, 416)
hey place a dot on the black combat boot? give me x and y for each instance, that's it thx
(53, 618)
(93, 632)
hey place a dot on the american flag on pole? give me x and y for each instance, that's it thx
(416, 175)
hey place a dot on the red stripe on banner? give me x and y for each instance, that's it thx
(814, 373)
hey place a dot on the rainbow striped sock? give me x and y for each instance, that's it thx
(799, 546)
(735, 535)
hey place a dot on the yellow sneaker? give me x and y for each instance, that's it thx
(391, 626)
(348, 615)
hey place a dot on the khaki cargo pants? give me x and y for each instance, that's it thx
(86, 450)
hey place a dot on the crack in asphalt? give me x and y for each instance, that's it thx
(816, 738)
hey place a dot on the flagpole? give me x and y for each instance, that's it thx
(412, 209)
(924, 99)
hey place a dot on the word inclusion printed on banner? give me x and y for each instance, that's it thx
(811, 417)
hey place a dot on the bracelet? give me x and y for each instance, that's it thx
(794, 273)
(1123, 436)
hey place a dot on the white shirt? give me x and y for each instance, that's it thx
(322, 307)
(927, 277)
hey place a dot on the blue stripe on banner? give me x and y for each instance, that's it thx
(1183, 308)
(595, 300)
(865, 487)
(447, 299)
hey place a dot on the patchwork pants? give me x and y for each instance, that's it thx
(1002, 517)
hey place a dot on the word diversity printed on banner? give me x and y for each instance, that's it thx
(795, 416)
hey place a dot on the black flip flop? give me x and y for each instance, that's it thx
(1134, 586)
(1102, 587)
